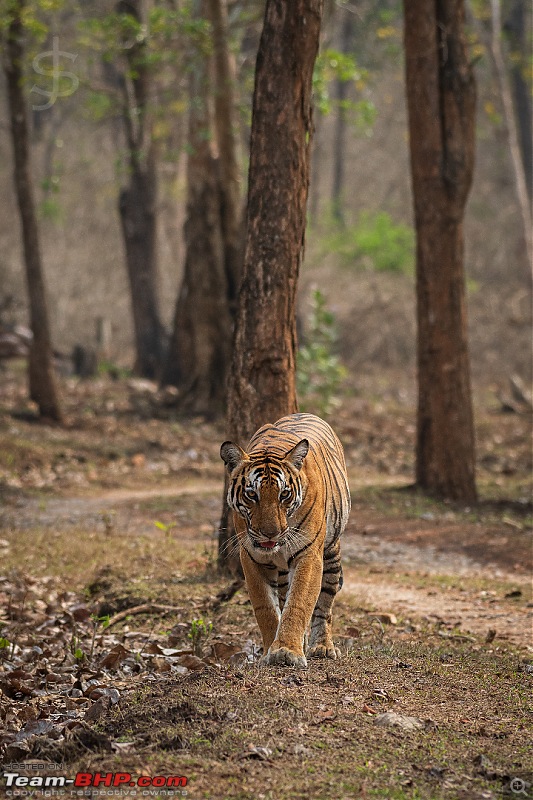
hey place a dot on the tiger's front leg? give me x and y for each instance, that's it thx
(261, 583)
(287, 649)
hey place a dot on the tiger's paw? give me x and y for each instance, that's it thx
(324, 651)
(283, 657)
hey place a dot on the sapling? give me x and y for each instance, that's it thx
(199, 631)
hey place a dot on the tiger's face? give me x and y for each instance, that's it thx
(266, 491)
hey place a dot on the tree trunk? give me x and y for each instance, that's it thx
(339, 137)
(519, 33)
(198, 355)
(262, 379)
(441, 109)
(42, 380)
(226, 137)
(520, 178)
(137, 203)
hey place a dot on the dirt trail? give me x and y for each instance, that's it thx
(385, 574)
(61, 511)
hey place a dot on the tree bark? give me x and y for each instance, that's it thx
(262, 384)
(339, 138)
(520, 177)
(137, 204)
(42, 381)
(441, 101)
(198, 355)
(519, 32)
(226, 137)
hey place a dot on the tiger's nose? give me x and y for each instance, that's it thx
(271, 529)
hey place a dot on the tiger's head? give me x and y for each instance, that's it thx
(266, 490)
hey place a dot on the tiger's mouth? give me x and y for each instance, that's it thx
(260, 543)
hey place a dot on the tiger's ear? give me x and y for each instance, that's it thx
(232, 455)
(297, 454)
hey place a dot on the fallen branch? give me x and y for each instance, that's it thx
(145, 608)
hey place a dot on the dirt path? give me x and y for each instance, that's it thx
(458, 612)
(384, 570)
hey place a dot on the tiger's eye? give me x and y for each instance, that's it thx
(285, 494)
(251, 494)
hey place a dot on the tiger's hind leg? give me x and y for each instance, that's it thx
(320, 640)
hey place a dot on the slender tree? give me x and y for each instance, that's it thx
(137, 200)
(262, 377)
(519, 163)
(226, 139)
(519, 34)
(441, 100)
(342, 88)
(198, 353)
(42, 380)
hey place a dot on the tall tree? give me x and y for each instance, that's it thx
(342, 88)
(199, 349)
(137, 200)
(441, 99)
(198, 354)
(42, 380)
(521, 176)
(262, 377)
(518, 29)
(226, 138)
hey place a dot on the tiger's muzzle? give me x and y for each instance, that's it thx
(270, 542)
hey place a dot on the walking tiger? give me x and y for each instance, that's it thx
(290, 500)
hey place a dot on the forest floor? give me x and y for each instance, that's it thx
(123, 651)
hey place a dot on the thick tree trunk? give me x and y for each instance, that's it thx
(42, 380)
(226, 137)
(138, 202)
(262, 379)
(198, 355)
(441, 107)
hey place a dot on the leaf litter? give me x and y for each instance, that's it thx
(107, 678)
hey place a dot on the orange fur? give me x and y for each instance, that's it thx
(290, 499)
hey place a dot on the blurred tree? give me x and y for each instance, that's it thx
(226, 137)
(262, 383)
(517, 27)
(339, 137)
(42, 381)
(137, 200)
(198, 353)
(441, 100)
(519, 156)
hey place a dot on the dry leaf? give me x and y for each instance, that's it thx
(325, 715)
(385, 618)
(223, 652)
(261, 753)
(191, 662)
(114, 657)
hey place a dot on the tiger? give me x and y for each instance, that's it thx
(290, 500)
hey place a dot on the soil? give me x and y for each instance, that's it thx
(117, 515)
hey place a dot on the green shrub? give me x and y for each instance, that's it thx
(375, 242)
(319, 372)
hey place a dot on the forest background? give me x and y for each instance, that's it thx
(359, 241)
(122, 645)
